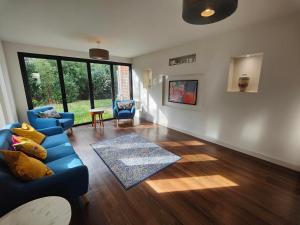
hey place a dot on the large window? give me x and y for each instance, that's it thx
(43, 81)
(73, 84)
(77, 90)
(102, 88)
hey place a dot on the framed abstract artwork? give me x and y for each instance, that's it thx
(183, 91)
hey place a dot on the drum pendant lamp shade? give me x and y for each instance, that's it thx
(202, 12)
(98, 53)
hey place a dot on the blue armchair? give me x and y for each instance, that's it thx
(124, 113)
(43, 124)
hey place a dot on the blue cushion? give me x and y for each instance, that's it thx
(58, 152)
(66, 123)
(124, 114)
(66, 163)
(55, 140)
(5, 139)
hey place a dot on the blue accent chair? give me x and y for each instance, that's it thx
(70, 179)
(124, 113)
(66, 122)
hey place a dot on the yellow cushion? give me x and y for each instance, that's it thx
(29, 132)
(29, 147)
(25, 167)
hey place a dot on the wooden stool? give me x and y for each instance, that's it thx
(94, 113)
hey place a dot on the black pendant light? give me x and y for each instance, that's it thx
(207, 11)
(98, 53)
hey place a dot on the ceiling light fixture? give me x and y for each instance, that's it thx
(202, 12)
(98, 53)
(208, 12)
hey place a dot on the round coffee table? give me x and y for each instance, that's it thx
(94, 113)
(43, 211)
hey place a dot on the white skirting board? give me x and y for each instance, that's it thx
(235, 148)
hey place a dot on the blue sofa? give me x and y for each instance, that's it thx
(70, 179)
(124, 113)
(66, 122)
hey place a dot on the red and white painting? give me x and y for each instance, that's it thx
(183, 91)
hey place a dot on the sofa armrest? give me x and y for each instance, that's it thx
(51, 130)
(10, 191)
(116, 111)
(46, 122)
(67, 115)
(133, 111)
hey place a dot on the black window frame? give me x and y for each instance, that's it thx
(59, 59)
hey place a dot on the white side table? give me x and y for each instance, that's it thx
(43, 211)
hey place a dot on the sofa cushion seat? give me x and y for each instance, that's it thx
(55, 140)
(65, 164)
(59, 151)
(65, 122)
(123, 114)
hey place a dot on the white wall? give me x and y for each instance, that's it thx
(11, 50)
(7, 105)
(266, 124)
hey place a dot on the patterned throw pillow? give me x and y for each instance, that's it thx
(25, 167)
(29, 147)
(49, 114)
(124, 105)
(29, 132)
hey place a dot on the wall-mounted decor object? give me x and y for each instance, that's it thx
(183, 91)
(201, 12)
(147, 78)
(244, 73)
(182, 59)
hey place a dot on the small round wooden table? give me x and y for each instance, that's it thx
(52, 210)
(94, 113)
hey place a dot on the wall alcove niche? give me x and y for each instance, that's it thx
(244, 73)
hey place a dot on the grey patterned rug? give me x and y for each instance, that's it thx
(132, 158)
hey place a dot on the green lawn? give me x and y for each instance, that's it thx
(81, 109)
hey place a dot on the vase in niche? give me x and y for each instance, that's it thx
(244, 82)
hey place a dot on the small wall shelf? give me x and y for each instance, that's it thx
(147, 78)
(244, 73)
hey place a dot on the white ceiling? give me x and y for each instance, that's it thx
(127, 28)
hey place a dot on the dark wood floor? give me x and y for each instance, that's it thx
(210, 185)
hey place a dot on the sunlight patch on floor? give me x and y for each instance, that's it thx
(190, 183)
(192, 143)
(181, 143)
(169, 144)
(196, 158)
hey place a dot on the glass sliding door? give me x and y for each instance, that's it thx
(74, 84)
(102, 88)
(77, 90)
(43, 82)
(122, 82)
